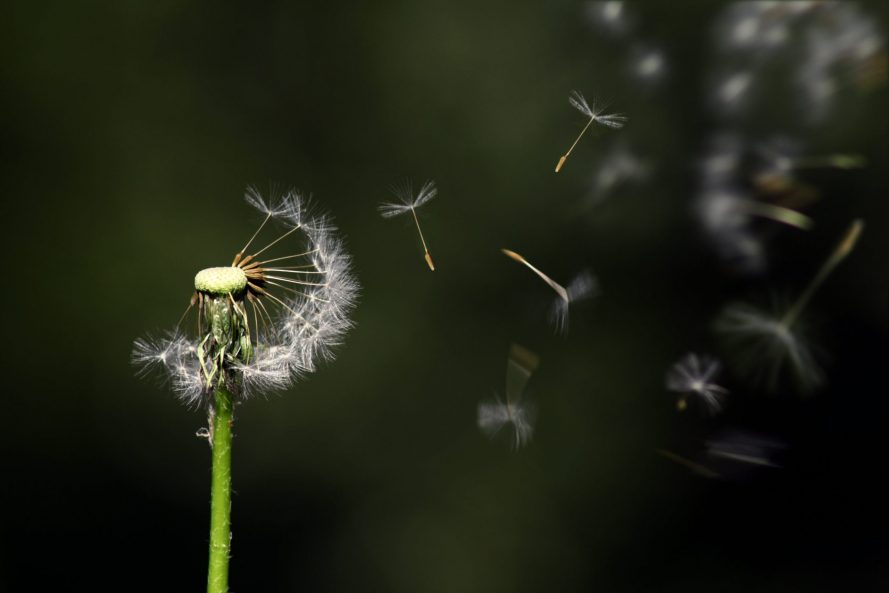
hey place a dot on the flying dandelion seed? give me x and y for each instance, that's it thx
(409, 203)
(582, 287)
(262, 321)
(743, 447)
(733, 454)
(693, 376)
(767, 343)
(596, 114)
(516, 414)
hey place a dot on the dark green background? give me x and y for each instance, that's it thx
(130, 131)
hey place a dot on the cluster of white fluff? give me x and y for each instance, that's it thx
(300, 334)
(823, 43)
(806, 51)
(722, 205)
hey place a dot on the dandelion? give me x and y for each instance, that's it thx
(596, 114)
(262, 322)
(583, 286)
(693, 376)
(408, 202)
(516, 413)
(768, 343)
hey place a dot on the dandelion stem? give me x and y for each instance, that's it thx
(565, 156)
(220, 493)
(843, 248)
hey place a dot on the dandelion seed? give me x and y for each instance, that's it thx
(409, 203)
(516, 414)
(768, 343)
(741, 446)
(733, 454)
(583, 286)
(692, 376)
(595, 114)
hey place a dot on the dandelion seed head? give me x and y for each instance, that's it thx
(270, 317)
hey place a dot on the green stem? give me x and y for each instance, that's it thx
(220, 493)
